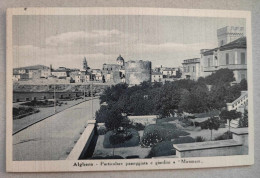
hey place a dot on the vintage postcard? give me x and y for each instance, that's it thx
(109, 89)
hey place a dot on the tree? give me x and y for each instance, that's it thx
(229, 116)
(211, 123)
(243, 122)
(221, 75)
(168, 99)
(196, 100)
(243, 85)
(111, 116)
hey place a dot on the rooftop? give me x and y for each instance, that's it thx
(156, 73)
(238, 43)
(194, 60)
(34, 67)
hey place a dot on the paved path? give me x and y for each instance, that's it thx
(51, 138)
(20, 124)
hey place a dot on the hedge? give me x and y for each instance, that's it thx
(165, 148)
(133, 141)
(155, 133)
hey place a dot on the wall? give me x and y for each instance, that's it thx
(137, 72)
(226, 151)
(82, 145)
(236, 146)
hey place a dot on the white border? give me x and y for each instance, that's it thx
(65, 165)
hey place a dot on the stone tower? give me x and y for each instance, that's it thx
(85, 64)
(228, 34)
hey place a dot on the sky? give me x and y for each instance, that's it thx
(64, 41)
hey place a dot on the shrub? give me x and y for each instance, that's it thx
(165, 148)
(227, 135)
(151, 139)
(156, 133)
(186, 122)
(125, 142)
(243, 122)
(200, 139)
(101, 131)
(21, 112)
(118, 138)
(137, 126)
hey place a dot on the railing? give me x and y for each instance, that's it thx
(242, 100)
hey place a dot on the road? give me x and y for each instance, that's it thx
(54, 137)
(20, 124)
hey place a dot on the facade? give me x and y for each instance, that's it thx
(169, 72)
(191, 69)
(113, 73)
(231, 56)
(157, 77)
(137, 72)
(31, 72)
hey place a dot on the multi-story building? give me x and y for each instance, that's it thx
(32, 72)
(231, 53)
(191, 69)
(157, 77)
(61, 72)
(114, 73)
(169, 72)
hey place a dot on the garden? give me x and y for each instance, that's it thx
(178, 104)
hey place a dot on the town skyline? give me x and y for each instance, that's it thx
(135, 38)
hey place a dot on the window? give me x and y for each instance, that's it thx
(227, 58)
(184, 69)
(188, 70)
(222, 43)
(193, 68)
(243, 58)
(208, 62)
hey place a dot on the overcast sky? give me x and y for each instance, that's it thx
(65, 40)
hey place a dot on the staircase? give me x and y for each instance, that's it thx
(239, 104)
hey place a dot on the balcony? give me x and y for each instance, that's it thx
(229, 66)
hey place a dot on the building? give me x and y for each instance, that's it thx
(191, 69)
(228, 34)
(231, 53)
(32, 72)
(61, 72)
(157, 77)
(137, 72)
(97, 74)
(169, 72)
(114, 73)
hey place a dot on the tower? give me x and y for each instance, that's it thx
(120, 61)
(228, 34)
(85, 64)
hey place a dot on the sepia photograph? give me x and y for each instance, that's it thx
(93, 89)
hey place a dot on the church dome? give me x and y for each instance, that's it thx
(120, 60)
